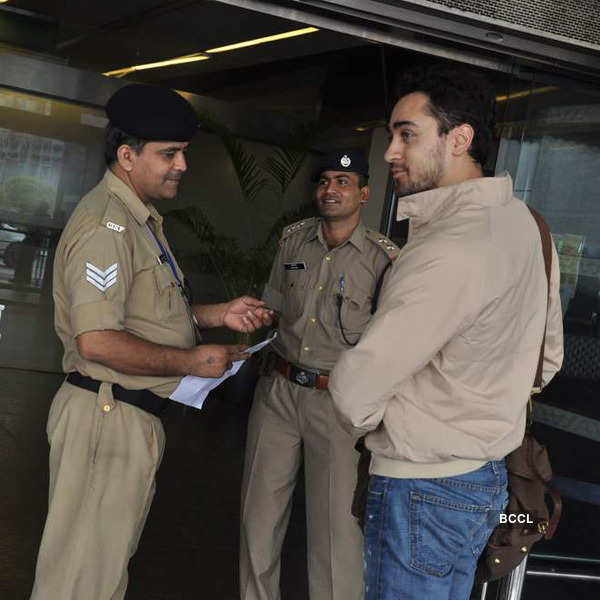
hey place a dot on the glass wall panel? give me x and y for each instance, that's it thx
(550, 144)
(50, 155)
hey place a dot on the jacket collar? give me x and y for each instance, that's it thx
(140, 211)
(483, 191)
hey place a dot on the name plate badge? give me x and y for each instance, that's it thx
(295, 266)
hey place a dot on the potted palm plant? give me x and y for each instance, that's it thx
(238, 270)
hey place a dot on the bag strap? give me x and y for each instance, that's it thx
(537, 384)
(556, 513)
(547, 252)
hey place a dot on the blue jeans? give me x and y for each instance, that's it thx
(423, 536)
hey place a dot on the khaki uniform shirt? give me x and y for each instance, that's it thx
(305, 280)
(108, 274)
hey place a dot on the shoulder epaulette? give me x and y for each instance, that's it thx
(383, 243)
(296, 227)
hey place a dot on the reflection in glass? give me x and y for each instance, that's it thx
(550, 146)
(50, 154)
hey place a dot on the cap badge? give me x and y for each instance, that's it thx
(345, 161)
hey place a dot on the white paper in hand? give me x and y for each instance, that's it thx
(193, 390)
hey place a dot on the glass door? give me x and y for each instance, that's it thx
(550, 144)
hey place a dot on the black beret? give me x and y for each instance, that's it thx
(152, 113)
(352, 162)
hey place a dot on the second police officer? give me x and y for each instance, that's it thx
(322, 284)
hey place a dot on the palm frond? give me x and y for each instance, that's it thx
(249, 173)
(194, 218)
(243, 270)
(284, 165)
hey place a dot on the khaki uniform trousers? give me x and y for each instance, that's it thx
(104, 455)
(284, 418)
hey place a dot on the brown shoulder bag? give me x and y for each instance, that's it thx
(527, 518)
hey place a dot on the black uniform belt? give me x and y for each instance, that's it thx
(144, 399)
(303, 377)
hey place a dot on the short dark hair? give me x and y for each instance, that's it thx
(457, 95)
(114, 138)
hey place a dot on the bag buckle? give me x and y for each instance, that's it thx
(542, 527)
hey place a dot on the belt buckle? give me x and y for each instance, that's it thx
(304, 378)
(301, 378)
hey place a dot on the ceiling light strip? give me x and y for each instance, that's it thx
(524, 93)
(203, 55)
(263, 40)
(156, 65)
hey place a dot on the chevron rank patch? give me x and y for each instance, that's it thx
(99, 278)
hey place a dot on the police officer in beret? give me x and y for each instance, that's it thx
(129, 336)
(322, 285)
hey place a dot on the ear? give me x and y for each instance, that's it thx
(365, 192)
(126, 157)
(461, 139)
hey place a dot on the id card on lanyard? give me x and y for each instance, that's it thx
(166, 257)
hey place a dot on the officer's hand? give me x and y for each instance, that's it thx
(209, 360)
(247, 314)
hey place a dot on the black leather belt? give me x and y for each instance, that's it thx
(144, 399)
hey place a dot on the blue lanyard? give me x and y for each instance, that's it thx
(166, 256)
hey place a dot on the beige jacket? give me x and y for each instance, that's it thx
(442, 373)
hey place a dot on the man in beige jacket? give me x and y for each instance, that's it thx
(440, 379)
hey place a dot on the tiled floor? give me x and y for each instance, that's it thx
(189, 548)
(191, 539)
